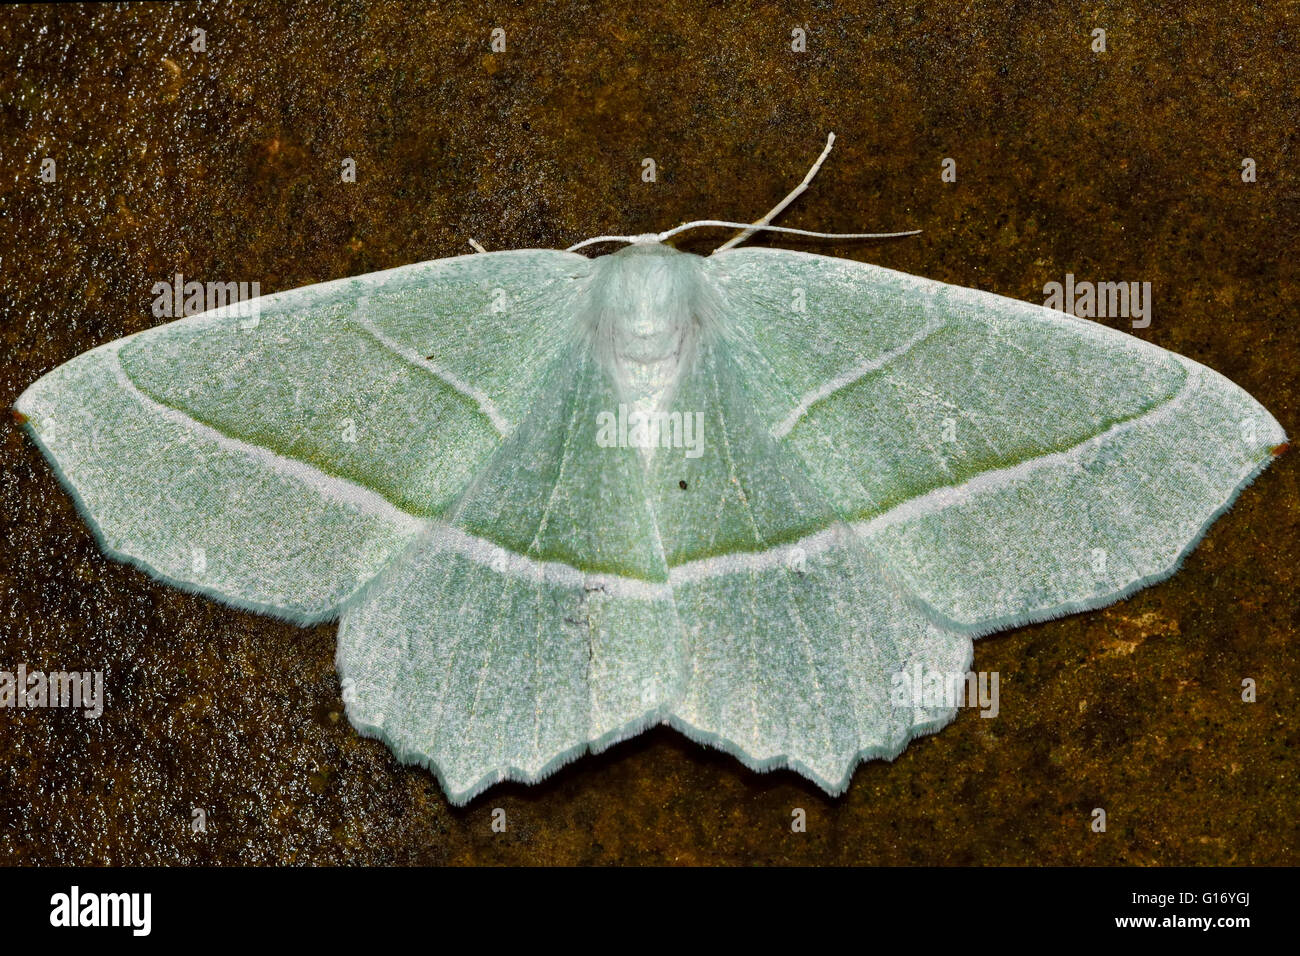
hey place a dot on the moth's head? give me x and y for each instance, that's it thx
(644, 300)
(646, 307)
(646, 248)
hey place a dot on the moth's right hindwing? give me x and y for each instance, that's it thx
(795, 635)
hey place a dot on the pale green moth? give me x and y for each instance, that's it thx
(554, 500)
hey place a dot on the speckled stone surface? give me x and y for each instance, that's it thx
(225, 165)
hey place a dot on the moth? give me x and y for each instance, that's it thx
(553, 500)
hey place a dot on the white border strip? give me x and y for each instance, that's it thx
(341, 490)
(444, 537)
(484, 552)
(941, 498)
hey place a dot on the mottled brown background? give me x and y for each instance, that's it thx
(225, 165)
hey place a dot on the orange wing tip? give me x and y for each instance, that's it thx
(1279, 449)
(19, 417)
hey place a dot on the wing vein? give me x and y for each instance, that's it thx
(845, 379)
(478, 396)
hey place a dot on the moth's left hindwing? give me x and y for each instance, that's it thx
(275, 456)
(533, 623)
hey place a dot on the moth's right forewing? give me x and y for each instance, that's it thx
(1011, 462)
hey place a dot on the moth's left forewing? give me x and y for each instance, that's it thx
(276, 454)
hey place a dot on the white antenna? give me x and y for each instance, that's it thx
(750, 228)
(755, 227)
(780, 207)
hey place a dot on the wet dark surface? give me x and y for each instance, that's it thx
(225, 165)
